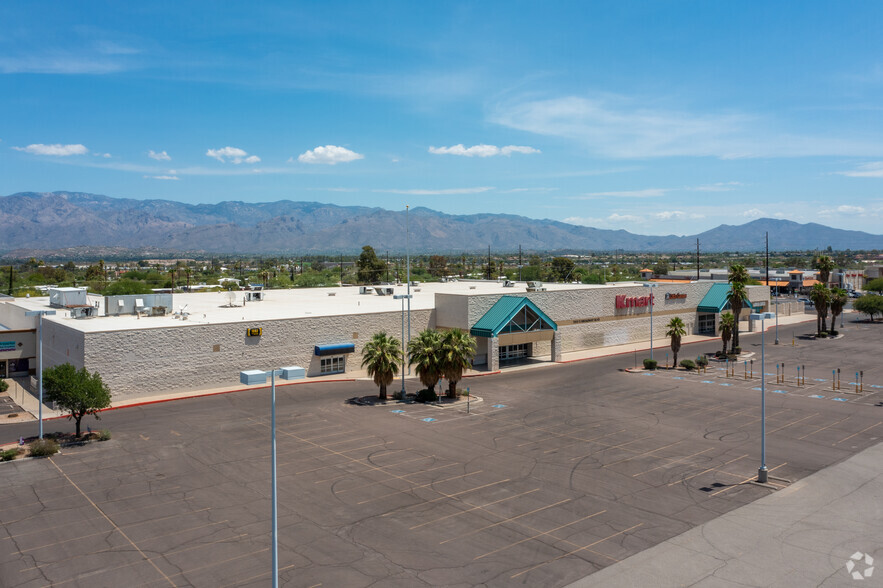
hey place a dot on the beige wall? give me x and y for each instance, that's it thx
(152, 361)
(62, 344)
(24, 342)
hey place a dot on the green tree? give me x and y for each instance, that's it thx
(869, 304)
(661, 268)
(837, 301)
(820, 296)
(126, 286)
(76, 392)
(424, 353)
(825, 265)
(727, 325)
(382, 356)
(738, 277)
(458, 348)
(370, 268)
(875, 285)
(676, 330)
(438, 266)
(560, 269)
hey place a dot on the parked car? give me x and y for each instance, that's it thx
(854, 294)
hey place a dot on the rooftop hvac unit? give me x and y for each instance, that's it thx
(509, 284)
(384, 290)
(251, 295)
(535, 287)
(365, 290)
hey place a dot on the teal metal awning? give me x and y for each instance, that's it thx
(512, 314)
(716, 299)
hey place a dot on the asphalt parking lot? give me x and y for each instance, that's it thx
(556, 473)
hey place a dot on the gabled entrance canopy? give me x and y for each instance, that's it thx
(512, 314)
(716, 301)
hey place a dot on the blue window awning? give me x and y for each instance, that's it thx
(335, 349)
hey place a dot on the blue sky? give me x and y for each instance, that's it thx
(657, 117)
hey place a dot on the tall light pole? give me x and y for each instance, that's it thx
(408, 273)
(402, 297)
(762, 472)
(651, 316)
(250, 378)
(39, 314)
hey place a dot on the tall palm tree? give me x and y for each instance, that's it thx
(837, 301)
(382, 356)
(738, 278)
(820, 296)
(825, 265)
(676, 330)
(727, 324)
(424, 353)
(458, 347)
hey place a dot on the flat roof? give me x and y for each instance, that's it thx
(213, 308)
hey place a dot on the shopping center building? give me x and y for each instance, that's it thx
(153, 344)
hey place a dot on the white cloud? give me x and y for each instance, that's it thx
(615, 218)
(629, 218)
(621, 127)
(847, 209)
(482, 150)
(328, 155)
(161, 156)
(670, 214)
(104, 155)
(418, 192)
(753, 213)
(166, 177)
(56, 149)
(873, 169)
(233, 155)
(716, 187)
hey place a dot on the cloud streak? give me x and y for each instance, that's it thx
(422, 192)
(328, 155)
(483, 150)
(55, 150)
(232, 155)
(161, 156)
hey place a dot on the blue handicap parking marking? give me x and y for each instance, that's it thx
(649, 374)
(779, 391)
(841, 399)
(875, 386)
(816, 396)
(428, 420)
(853, 384)
(707, 382)
(758, 389)
(820, 379)
(766, 374)
(398, 411)
(498, 406)
(677, 378)
(725, 384)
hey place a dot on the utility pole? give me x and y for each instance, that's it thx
(768, 259)
(341, 269)
(697, 260)
(519, 263)
(387, 266)
(489, 263)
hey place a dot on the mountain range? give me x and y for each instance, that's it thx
(56, 220)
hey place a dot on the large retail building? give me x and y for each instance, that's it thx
(147, 345)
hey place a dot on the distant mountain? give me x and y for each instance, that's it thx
(56, 220)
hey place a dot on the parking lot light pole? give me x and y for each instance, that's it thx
(777, 313)
(762, 472)
(39, 314)
(260, 377)
(651, 316)
(402, 297)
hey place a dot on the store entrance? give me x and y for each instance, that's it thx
(3, 368)
(514, 352)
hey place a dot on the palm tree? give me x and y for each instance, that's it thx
(458, 347)
(727, 325)
(382, 356)
(676, 330)
(838, 301)
(825, 265)
(424, 353)
(820, 296)
(738, 277)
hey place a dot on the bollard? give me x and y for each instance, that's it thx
(752, 369)
(838, 378)
(777, 373)
(798, 375)
(783, 372)
(666, 361)
(856, 382)
(744, 370)
(728, 367)
(833, 379)
(468, 399)
(861, 381)
(804, 375)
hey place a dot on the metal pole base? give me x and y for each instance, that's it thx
(777, 341)
(762, 475)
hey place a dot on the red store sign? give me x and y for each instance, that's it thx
(634, 301)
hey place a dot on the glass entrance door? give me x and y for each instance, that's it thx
(3, 368)
(513, 352)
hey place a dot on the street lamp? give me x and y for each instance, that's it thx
(762, 473)
(249, 378)
(408, 275)
(651, 316)
(402, 297)
(40, 314)
(777, 311)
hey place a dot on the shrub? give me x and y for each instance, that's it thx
(8, 455)
(823, 335)
(3, 386)
(426, 395)
(737, 350)
(702, 361)
(688, 364)
(650, 364)
(44, 448)
(397, 395)
(104, 435)
(833, 333)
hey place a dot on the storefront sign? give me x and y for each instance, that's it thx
(254, 332)
(630, 301)
(672, 296)
(7, 345)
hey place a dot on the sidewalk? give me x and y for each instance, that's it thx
(802, 535)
